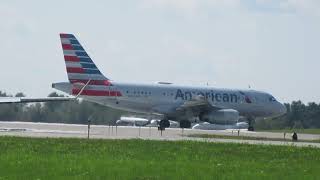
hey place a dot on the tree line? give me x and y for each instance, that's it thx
(299, 115)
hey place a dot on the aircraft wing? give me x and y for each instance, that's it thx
(7, 100)
(199, 104)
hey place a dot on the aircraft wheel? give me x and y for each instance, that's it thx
(185, 124)
(164, 124)
(250, 128)
(251, 123)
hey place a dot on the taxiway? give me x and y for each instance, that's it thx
(30, 129)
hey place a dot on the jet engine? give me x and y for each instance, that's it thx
(223, 116)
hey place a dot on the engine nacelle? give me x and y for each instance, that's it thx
(223, 116)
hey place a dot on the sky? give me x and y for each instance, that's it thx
(269, 45)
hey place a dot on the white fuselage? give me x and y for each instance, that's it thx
(166, 98)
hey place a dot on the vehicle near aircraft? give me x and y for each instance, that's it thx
(166, 100)
(132, 121)
(136, 121)
(209, 126)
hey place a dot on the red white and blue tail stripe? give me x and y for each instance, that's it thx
(81, 68)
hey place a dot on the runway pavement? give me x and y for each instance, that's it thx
(30, 129)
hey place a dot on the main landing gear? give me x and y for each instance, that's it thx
(185, 124)
(164, 123)
(251, 123)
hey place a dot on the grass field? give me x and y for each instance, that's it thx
(304, 131)
(216, 136)
(32, 158)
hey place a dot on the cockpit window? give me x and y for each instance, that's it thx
(272, 99)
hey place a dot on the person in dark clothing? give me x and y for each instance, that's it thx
(295, 136)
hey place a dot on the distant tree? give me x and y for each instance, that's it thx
(20, 94)
(35, 113)
(297, 114)
(52, 106)
(3, 94)
(10, 112)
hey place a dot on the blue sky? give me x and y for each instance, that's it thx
(267, 44)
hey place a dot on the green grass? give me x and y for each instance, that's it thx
(33, 158)
(303, 131)
(248, 138)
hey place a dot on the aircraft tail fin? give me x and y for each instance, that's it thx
(80, 67)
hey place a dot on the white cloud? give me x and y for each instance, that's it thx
(183, 4)
(308, 7)
(228, 43)
(299, 7)
(193, 7)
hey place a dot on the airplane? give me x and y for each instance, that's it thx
(166, 100)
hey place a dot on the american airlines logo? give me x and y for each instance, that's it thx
(246, 98)
(213, 96)
(209, 95)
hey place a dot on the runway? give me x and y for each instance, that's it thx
(30, 129)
